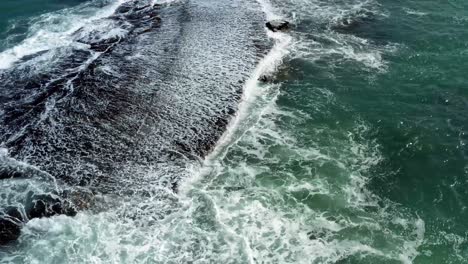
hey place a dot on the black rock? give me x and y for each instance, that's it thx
(38, 210)
(277, 25)
(116, 93)
(317, 234)
(9, 231)
(12, 218)
(265, 79)
(45, 205)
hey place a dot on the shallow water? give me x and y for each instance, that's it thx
(354, 153)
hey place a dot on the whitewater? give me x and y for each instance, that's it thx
(185, 131)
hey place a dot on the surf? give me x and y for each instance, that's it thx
(132, 101)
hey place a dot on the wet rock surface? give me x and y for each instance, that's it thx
(9, 231)
(13, 218)
(278, 25)
(127, 106)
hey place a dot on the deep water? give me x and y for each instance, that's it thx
(354, 152)
(15, 17)
(406, 84)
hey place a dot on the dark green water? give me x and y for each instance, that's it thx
(414, 107)
(422, 104)
(357, 154)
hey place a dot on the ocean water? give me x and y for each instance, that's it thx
(354, 152)
(17, 17)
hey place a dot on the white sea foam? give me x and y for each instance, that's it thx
(165, 2)
(331, 45)
(252, 90)
(225, 213)
(271, 223)
(414, 12)
(3, 152)
(129, 233)
(53, 30)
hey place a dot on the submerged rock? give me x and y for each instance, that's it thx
(317, 234)
(9, 231)
(42, 201)
(265, 79)
(13, 218)
(278, 25)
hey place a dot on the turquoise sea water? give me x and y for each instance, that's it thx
(15, 17)
(355, 153)
(412, 101)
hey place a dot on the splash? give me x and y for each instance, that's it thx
(54, 30)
